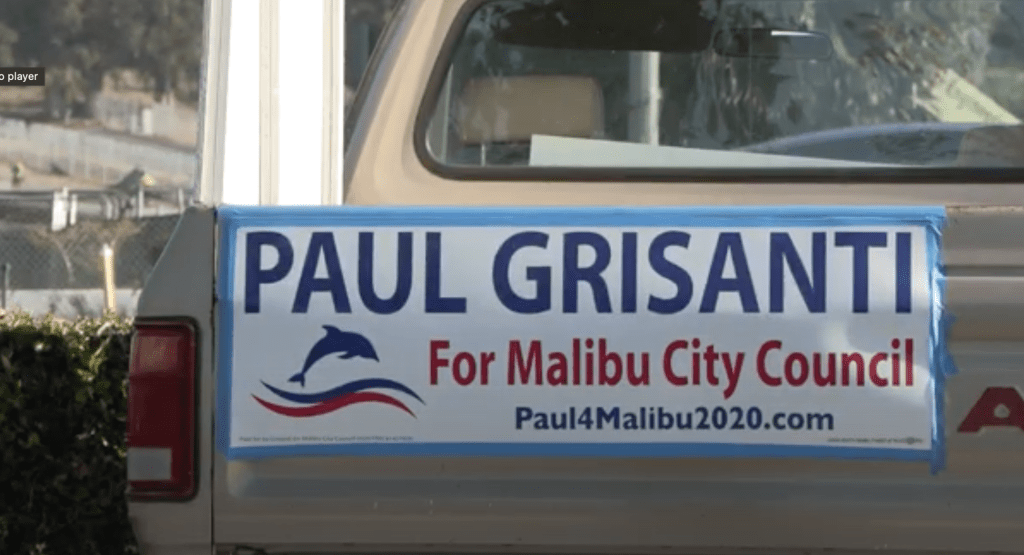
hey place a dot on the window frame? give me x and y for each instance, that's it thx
(385, 42)
(883, 175)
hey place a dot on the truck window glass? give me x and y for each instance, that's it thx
(731, 84)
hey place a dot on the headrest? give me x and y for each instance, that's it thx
(512, 109)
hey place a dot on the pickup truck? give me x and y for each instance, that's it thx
(596, 276)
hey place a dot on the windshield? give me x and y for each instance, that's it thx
(734, 83)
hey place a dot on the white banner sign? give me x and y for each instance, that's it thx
(811, 332)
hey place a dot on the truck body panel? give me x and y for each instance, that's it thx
(507, 504)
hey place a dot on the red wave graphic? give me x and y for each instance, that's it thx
(335, 404)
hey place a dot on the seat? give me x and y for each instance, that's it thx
(496, 117)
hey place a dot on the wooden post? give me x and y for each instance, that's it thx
(109, 290)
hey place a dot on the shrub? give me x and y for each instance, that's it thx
(63, 406)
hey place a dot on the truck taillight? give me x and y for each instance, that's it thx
(161, 411)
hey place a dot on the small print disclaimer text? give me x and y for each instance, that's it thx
(22, 76)
(324, 439)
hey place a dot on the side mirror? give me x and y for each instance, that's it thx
(779, 44)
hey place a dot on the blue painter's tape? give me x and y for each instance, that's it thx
(690, 216)
(941, 363)
(225, 311)
(932, 219)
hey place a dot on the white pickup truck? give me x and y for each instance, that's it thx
(656, 276)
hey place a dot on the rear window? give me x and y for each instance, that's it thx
(731, 84)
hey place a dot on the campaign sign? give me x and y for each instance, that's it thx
(710, 331)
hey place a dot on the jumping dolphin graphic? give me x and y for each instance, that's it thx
(349, 344)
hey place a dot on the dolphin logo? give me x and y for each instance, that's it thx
(349, 344)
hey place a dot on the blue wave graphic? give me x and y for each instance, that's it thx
(350, 387)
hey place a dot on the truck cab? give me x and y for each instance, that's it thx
(528, 107)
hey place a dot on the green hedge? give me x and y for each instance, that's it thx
(63, 406)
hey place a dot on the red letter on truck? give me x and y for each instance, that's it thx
(983, 413)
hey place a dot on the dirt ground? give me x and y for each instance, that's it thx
(184, 133)
(12, 97)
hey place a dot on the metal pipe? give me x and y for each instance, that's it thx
(644, 97)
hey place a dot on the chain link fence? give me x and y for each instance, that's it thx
(67, 193)
(61, 272)
(39, 258)
(93, 155)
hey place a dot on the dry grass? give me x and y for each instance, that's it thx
(184, 132)
(35, 180)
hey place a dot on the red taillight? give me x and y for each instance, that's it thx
(161, 411)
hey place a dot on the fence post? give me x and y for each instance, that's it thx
(109, 291)
(107, 157)
(73, 210)
(59, 215)
(6, 284)
(141, 201)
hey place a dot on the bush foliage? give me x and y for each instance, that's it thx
(63, 406)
